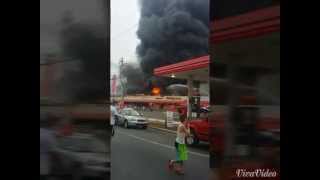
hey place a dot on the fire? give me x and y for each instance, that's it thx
(155, 91)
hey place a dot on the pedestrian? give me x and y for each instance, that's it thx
(48, 146)
(180, 147)
(113, 117)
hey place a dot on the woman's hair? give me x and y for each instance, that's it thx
(182, 118)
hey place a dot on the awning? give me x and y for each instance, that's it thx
(198, 68)
(252, 24)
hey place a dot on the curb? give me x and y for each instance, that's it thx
(162, 129)
(156, 120)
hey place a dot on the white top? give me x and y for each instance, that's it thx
(47, 145)
(113, 111)
(181, 136)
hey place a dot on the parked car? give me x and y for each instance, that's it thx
(129, 117)
(200, 127)
(82, 156)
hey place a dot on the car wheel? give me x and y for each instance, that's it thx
(112, 131)
(144, 127)
(126, 124)
(192, 140)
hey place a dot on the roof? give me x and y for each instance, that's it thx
(90, 111)
(251, 24)
(197, 67)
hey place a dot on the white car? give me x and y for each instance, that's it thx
(129, 117)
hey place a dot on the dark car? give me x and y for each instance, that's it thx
(83, 156)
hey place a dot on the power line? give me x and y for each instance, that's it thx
(124, 31)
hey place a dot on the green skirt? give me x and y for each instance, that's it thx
(181, 152)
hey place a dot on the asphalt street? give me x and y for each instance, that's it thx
(143, 154)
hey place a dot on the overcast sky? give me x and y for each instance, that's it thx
(124, 24)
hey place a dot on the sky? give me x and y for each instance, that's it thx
(124, 24)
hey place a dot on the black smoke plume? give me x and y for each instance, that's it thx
(171, 31)
(134, 76)
(88, 45)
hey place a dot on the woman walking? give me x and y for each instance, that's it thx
(180, 146)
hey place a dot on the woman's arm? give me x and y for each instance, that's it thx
(186, 129)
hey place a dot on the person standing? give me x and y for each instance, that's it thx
(47, 146)
(113, 118)
(180, 147)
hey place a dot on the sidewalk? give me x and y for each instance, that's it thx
(159, 124)
(157, 121)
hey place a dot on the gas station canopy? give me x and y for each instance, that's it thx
(251, 39)
(197, 68)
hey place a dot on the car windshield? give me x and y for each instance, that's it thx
(132, 112)
(82, 145)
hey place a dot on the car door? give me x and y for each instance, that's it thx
(123, 115)
(120, 116)
(203, 128)
(129, 115)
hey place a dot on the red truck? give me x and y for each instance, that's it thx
(199, 128)
(268, 122)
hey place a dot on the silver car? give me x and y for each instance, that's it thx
(129, 117)
(82, 156)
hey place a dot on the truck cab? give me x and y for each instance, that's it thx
(199, 128)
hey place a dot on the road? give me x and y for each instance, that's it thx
(143, 154)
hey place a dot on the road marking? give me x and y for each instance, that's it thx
(161, 129)
(163, 145)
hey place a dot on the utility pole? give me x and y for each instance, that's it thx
(121, 77)
(190, 95)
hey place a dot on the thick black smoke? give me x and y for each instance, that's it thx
(171, 31)
(88, 45)
(134, 76)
